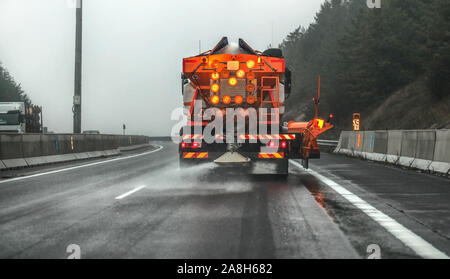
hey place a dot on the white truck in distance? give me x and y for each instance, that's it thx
(12, 117)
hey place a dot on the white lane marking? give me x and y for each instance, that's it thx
(410, 239)
(81, 166)
(130, 192)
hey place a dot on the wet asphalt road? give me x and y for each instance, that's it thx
(144, 206)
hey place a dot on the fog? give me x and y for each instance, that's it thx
(132, 52)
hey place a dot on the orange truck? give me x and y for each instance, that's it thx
(234, 100)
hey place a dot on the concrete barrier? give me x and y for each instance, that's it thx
(92, 143)
(49, 144)
(358, 141)
(36, 161)
(112, 152)
(68, 157)
(81, 156)
(52, 159)
(369, 141)
(442, 146)
(95, 154)
(409, 142)
(31, 146)
(109, 143)
(160, 138)
(60, 158)
(15, 163)
(394, 143)
(22, 150)
(2, 166)
(351, 141)
(124, 141)
(441, 159)
(427, 150)
(339, 144)
(11, 151)
(380, 142)
(79, 144)
(133, 147)
(64, 144)
(116, 141)
(11, 146)
(372, 139)
(345, 138)
(425, 145)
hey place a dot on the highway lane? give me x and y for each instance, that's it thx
(418, 201)
(145, 207)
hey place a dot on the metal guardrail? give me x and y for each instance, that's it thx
(332, 143)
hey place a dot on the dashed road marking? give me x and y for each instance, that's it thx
(130, 192)
(409, 238)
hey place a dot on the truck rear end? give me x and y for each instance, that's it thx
(234, 98)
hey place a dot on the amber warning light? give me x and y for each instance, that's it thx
(356, 122)
(232, 81)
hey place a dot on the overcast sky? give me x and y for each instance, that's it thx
(132, 52)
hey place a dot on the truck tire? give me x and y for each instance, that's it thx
(305, 163)
(283, 170)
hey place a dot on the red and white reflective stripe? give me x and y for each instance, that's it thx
(198, 155)
(288, 136)
(185, 137)
(276, 155)
(268, 137)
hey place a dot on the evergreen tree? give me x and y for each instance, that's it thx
(10, 91)
(364, 55)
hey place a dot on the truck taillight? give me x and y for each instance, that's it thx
(281, 144)
(193, 145)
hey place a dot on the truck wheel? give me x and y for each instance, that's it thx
(282, 176)
(283, 170)
(305, 163)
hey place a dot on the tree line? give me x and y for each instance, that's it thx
(10, 90)
(364, 55)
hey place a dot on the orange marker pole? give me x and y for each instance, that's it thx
(316, 104)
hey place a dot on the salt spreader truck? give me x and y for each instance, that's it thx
(238, 77)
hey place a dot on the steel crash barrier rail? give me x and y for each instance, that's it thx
(24, 150)
(332, 143)
(427, 150)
